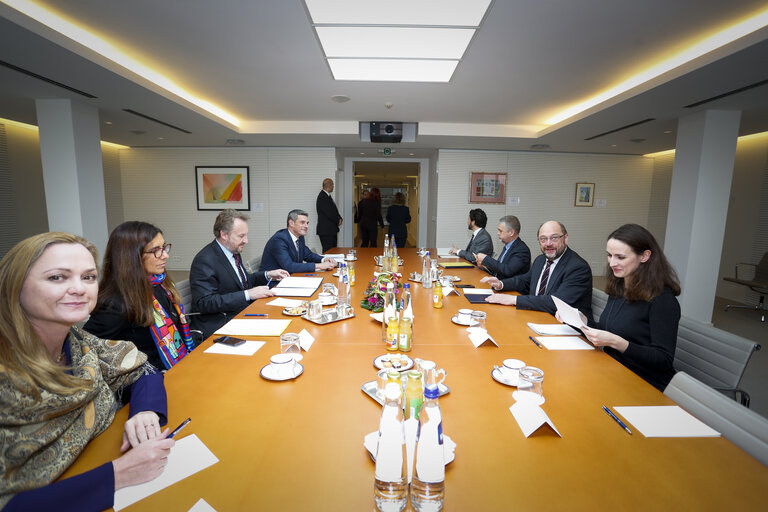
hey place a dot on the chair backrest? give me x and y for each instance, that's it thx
(253, 264)
(761, 271)
(599, 300)
(186, 294)
(715, 357)
(743, 427)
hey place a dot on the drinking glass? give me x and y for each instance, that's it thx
(477, 321)
(289, 344)
(315, 309)
(530, 384)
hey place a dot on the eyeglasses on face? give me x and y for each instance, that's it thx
(553, 239)
(158, 251)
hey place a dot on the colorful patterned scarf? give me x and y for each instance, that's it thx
(172, 345)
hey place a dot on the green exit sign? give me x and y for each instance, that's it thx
(387, 151)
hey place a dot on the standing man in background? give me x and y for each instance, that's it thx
(328, 218)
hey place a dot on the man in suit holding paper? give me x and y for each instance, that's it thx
(515, 257)
(221, 286)
(481, 241)
(328, 218)
(559, 271)
(287, 249)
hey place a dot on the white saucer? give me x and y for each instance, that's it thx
(527, 396)
(455, 319)
(350, 259)
(407, 366)
(496, 374)
(268, 373)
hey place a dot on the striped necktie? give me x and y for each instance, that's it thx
(239, 265)
(544, 278)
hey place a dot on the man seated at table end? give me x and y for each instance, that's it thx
(515, 257)
(558, 271)
(287, 248)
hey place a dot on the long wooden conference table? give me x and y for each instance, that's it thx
(298, 445)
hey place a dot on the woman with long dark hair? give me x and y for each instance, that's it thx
(638, 326)
(60, 386)
(138, 301)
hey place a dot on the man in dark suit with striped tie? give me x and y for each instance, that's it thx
(559, 271)
(515, 257)
(221, 286)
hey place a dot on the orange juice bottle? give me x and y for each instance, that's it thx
(437, 295)
(392, 333)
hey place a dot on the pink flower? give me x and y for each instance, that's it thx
(372, 300)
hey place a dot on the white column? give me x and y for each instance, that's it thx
(72, 169)
(698, 205)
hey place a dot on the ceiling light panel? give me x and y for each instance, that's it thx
(393, 70)
(395, 42)
(446, 13)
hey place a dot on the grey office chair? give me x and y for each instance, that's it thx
(252, 265)
(715, 357)
(758, 284)
(743, 427)
(599, 300)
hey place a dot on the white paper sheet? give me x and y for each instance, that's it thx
(531, 417)
(299, 282)
(553, 329)
(253, 327)
(202, 506)
(445, 252)
(564, 343)
(665, 421)
(306, 340)
(477, 291)
(246, 349)
(338, 257)
(294, 292)
(285, 303)
(568, 314)
(479, 336)
(187, 457)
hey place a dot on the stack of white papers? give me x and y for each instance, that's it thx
(297, 286)
(253, 327)
(286, 303)
(553, 329)
(444, 252)
(564, 343)
(477, 291)
(666, 421)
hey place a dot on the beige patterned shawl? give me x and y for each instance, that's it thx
(39, 440)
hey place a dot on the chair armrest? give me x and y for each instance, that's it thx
(737, 394)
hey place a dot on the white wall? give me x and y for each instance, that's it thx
(546, 185)
(158, 186)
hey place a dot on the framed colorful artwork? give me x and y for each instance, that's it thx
(488, 187)
(219, 188)
(585, 194)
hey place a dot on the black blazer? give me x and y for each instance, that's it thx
(517, 261)
(398, 216)
(217, 291)
(327, 215)
(481, 243)
(571, 281)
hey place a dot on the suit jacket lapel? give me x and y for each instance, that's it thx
(557, 273)
(224, 262)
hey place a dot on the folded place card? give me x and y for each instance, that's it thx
(246, 349)
(479, 336)
(286, 303)
(253, 327)
(666, 421)
(188, 456)
(530, 417)
(202, 506)
(564, 343)
(305, 340)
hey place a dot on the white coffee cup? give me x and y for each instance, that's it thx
(463, 316)
(510, 369)
(283, 366)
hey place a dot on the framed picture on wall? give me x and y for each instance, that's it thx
(488, 187)
(585, 194)
(222, 187)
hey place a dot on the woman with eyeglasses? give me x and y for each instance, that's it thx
(638, 326)
(138, 301)
(60, 386)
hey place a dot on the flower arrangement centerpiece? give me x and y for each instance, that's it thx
(373, 298)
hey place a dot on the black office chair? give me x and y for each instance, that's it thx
(758, 284)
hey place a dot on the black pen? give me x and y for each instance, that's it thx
(617, 420)
(536, 342)
(178, 429)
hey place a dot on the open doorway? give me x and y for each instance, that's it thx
(390, 178)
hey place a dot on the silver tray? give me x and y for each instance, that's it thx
(369, 388)
(377, 260)
(327, 317)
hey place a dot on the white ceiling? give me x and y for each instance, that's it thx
(261, 62)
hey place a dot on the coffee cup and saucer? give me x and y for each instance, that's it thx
(282, 367)
(508, 372)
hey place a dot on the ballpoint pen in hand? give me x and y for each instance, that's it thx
(617, 420)
(178, 429)
(536, 342)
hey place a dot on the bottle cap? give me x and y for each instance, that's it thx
(392, 391)
(390, 284)
(407, 285)
(431, 392)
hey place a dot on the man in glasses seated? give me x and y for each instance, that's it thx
(558, 271)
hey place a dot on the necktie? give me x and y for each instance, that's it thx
(544, 278)
(296, 243)
(470, 242)
(503, 253)
(239, 265)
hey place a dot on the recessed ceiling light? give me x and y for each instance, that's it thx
(667, 131)
(411, 154)
(439, 13)
(362, 153)
(399, 42)
(107, 122)
(161, 138)
(340, 98)
(393, 70)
